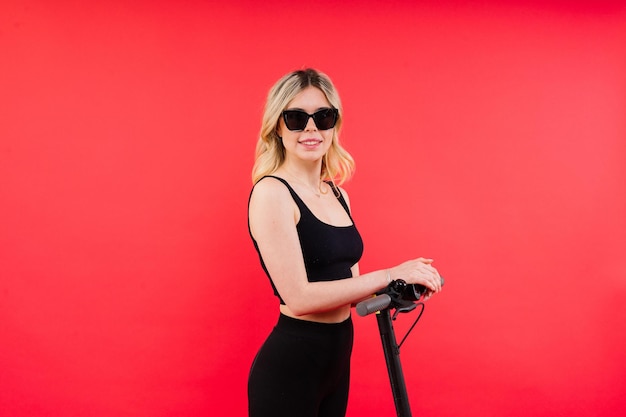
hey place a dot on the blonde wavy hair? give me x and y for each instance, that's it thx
(337, 165)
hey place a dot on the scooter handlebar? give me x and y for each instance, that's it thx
(412, 292)
(372, 305)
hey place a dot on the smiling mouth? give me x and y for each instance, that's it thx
(310, 142)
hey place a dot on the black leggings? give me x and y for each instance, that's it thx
(302, 370)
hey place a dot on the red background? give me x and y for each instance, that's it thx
(490, 136)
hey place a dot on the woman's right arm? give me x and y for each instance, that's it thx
(273, 217)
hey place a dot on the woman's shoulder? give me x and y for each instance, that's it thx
(343, 193)
(270, 183)
(270, 190)
(271, 204)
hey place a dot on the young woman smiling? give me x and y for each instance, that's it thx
(301, 225)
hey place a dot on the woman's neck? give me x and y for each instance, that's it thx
(308, 177)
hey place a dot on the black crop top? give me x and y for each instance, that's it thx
(329, 251)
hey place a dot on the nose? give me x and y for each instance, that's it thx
(310, 124)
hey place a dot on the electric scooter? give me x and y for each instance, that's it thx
(402, 297)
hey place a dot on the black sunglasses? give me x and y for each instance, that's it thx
(324, 119)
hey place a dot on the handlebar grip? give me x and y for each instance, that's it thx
(373, 305)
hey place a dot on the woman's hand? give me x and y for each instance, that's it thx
(418, 271)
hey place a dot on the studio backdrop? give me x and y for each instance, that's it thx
(489, 136)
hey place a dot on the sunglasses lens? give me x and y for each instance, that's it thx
(297, 119)
(325, 119)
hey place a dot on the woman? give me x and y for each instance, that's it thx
(300, 222)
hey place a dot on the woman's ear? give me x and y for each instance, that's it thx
(279, 131)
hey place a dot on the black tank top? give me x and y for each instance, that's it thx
(329, 251)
